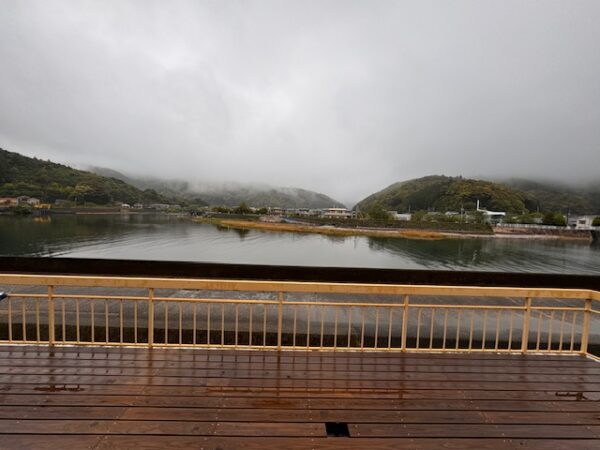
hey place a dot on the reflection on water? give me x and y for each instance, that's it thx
(170, 238)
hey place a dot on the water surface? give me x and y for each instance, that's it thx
(161, 237)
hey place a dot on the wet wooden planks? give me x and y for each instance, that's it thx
(105, 398)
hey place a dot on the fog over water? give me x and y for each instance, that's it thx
(342, 97)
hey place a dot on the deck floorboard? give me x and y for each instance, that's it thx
(112, 398)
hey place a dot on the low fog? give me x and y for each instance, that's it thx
(342, 97)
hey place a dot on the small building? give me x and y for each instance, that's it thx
(338, 213)
(32, 201)
(581, 222)
(405, 217)
(6, 202)
(138, 206)
(491, 217)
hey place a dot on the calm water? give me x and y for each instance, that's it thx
(171, 238)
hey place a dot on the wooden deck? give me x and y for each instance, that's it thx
(105, 398)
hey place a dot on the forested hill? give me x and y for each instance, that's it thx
(230, 194)
(442, 193)
(48, 181)
(555, 196)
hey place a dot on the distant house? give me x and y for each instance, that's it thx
(406, 217)
(138, 206)
(581, 222)
(491, 217)
(32, 201)
(6, 202)
(125, 206)
(338, 213)
(276, 211)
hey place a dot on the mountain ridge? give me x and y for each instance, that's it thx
(446, 193)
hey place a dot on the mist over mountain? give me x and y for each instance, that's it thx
(228, 193)
(49, 181)
(444, 193)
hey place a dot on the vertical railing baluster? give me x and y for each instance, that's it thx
(180, 324)
(484, 330)
(445, 328)
(562, 331)
(194, 323)
(250, 309)
(222, 324)
(308, 326)
(23, 320)
(92, 321)
(458, 314)
(322, 327)
(539, 331)
(106, 321)
(77, 322)
(497, 329)
(166, 316)
(121, 321)
(294, 326)
(573, 323)
(349, 326)
(550, 326)
(405, 307)
(150, 317)
(585, 331)
(510, 329)
(208, 324)
(419, 328)
(279, 319)
(390, 322)
(362, 329)
(335, 328)
(37, 320)
(237, 315)
(264, 325)
(526, 325)
(471, 323)
(376, 326)
(64, 321)
(431, 328)
(50, 316)
(135, 321)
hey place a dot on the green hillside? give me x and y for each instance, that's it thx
(48, 181)
(441, 193)
(553, 196)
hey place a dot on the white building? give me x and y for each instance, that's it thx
(337, 213)
(492, 217)
(582, 222)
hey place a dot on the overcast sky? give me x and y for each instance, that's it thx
(343, 97)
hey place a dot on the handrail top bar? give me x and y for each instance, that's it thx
(295, 286)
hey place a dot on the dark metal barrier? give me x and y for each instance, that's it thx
(177, 269)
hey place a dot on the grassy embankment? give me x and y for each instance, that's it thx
(327, 230)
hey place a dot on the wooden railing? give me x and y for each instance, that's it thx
(128, 311)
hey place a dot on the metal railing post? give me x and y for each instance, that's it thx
(51, 336)
(404, 323)
(279, 320)
(585, 332)
(150, 317)
(526, 325)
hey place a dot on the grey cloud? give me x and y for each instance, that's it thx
(343, 97)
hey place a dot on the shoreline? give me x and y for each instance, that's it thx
(408, 233)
